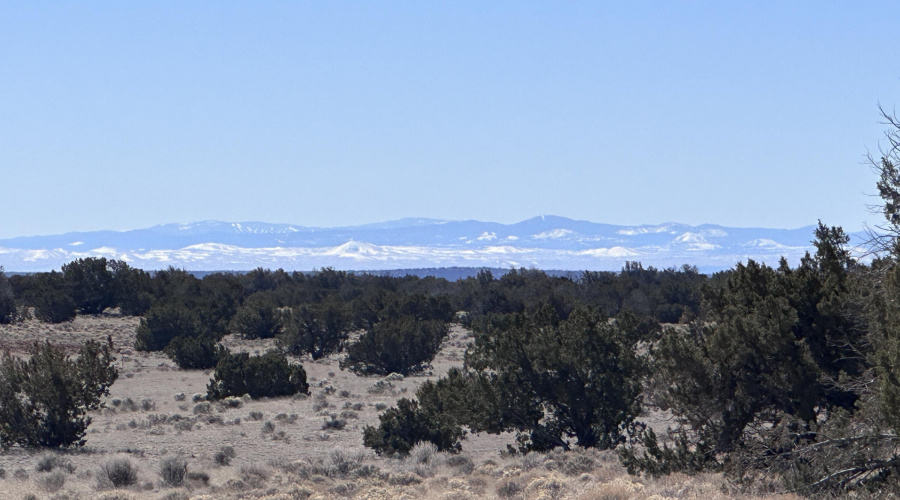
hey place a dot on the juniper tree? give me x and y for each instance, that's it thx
(556, 383)
(8, 312)
(44, 399)
(318, 330)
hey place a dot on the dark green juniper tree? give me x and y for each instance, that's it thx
(401, 427)
(793, 372)
(43, 399)
(257, 318)
(8, 310)
(402, 346)
(92, 284)
(556, 383)
(314, 329)
(269, 375)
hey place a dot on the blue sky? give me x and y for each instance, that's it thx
(119, 115)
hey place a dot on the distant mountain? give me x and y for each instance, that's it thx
(546, 242)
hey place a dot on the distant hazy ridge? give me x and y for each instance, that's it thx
(547, 242)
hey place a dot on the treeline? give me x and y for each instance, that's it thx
(404, 319)
(225, 302)
(401, 321)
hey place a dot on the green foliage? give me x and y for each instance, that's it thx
(258, 318)
(551, 380)
(217, 302)
(405, 425)
(8, 310)
(886, 336)
(777, 359)
(721, 376)
(745, 368)
(44, 399)
(52, 299)
(269, 375)
(402, 346)
(417, 306)
(317, 330)
(133, 289)
(194, 353)
(164, 322)
(213, 300)
(91, 284)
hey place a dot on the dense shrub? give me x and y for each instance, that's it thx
(403, 346)
(133, 289)
(172, 471)
(164, 322)
(317, 330)
(53, 461)
(52, 299)
(194, 353)
(557, 383)
(7, 301)
(258, 318)
(136, 304)
(269, 375)
(43, 400)
(118, 473)
(224, 455)
(417, 306)
(217, 302)
(403, 426)
(91, 284)
(54, 306)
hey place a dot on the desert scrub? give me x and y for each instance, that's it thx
(321, 402)
(52, 482)
(287, 419)
(254, 476)
(224, 455)
(118, 473)
(199, 478)
(509, 488)
(127, 405)
(203, 408)
(51, 462)
(423, 453)
(172, 471)
(334, 424)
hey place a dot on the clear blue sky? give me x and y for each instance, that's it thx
(119, 115)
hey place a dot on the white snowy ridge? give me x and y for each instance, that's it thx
(544, 242)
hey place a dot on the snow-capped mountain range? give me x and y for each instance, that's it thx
(546, 242)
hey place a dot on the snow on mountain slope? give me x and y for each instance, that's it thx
(547, 242)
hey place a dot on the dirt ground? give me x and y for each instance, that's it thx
(282, 448)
